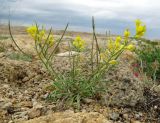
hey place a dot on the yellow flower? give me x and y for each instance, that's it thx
(113, 62)
(110, 45)
(118, 38)
(32, 30)
(140, 29)
(126, 33)
(114, 46)
(41, 35)
(138, 22)
(117, 44)
(78, 43)
(131, 47)
(51, 40)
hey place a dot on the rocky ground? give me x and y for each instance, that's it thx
(25, 85)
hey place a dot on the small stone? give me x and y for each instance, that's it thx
(135, 121)
(125, 116)
(34, 113)
(25, 79)
(157, 88)
(25, 91)
(138, 116)
(45, 96)
(37, 105)
(10, 94)
(21, 96)
(84, 110)
(114, 116)
(6, 80)
(87, 100)
(27, 104)
(65, 54)
(155, 107)
(69, 111)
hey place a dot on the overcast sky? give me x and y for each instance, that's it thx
(114, 15)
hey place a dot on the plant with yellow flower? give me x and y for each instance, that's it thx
(79, 43)
(83, 79)
(43, 44)
(115, 47)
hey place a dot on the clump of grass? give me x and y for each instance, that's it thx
(3, 37)
(149, 58)
(20, 56)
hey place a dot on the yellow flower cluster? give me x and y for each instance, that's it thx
(78, 43)
(40, 35)
(127, 33)
(105, 57)
(115, 46)
(140, 28)
(51, 40)
(32, 30)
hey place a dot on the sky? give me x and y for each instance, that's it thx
(113, 15)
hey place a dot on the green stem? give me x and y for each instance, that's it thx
(97, 46)
(47, 65)
(9, 25)
(100, 70)
(58, 43)
(45, 43)
(92, 54)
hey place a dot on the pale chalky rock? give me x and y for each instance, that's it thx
(70, 117)
(67, 54)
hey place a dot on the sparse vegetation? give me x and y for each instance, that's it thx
(78, 85)
(20, 56)
(86, 74)
(149, 59)
(3, 37)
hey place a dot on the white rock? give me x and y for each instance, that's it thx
(67, 54)
(37, 105)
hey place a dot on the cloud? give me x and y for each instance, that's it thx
(109, 14)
